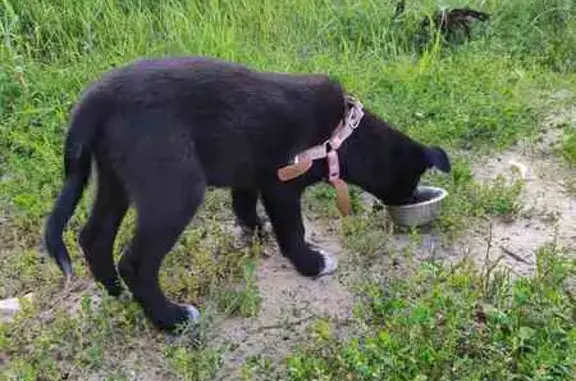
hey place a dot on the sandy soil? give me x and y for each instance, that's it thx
(289, 300)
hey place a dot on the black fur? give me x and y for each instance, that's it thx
(450, 23)
(161, 131)
(399, 10)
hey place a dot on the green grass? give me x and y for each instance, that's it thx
(474, 99)
(569, 146)
(454, 324)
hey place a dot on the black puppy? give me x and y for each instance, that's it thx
(161, 131)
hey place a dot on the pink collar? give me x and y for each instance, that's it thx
(303, 161)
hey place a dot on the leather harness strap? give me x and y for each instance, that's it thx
(303, 161)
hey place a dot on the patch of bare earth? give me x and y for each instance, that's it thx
(290, 303)
(548, 206)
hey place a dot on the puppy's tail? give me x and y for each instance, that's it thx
(77, 165)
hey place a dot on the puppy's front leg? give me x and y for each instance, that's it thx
(282, 204)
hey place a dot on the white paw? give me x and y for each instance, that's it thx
(192, 312)
(330, 263)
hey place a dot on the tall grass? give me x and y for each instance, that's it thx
(477, 96)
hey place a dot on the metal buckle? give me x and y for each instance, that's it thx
(355, 113)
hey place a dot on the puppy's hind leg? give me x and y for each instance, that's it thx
(97, 236)
(164, 207)
(244, 202)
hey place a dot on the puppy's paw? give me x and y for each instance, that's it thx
(330, 263)
(192, 312)
(187, 331)
(314, 262)
(176, 317)
(113, 287)
(245, 235)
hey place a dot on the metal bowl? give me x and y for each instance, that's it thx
(425, 208)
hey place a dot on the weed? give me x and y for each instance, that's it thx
(194, 365)
(243, 300)
(431, 325)
(569, 146)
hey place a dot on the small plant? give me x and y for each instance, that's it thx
(194, 364)
(569, 146)
(244, 299)
(436, 324)
(257, 368)
(499, 199)
(472, 200)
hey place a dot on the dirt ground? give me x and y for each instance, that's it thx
(548, 200)
(548, 214)
(289, 304)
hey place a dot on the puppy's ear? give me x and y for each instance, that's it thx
(437, 157)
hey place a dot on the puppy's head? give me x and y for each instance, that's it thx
(387, 163)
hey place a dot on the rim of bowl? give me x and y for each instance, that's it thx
(443, 193)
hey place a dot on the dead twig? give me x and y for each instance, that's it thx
(286, 324)
(489, 265)
(488, 248)
(512, 254)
